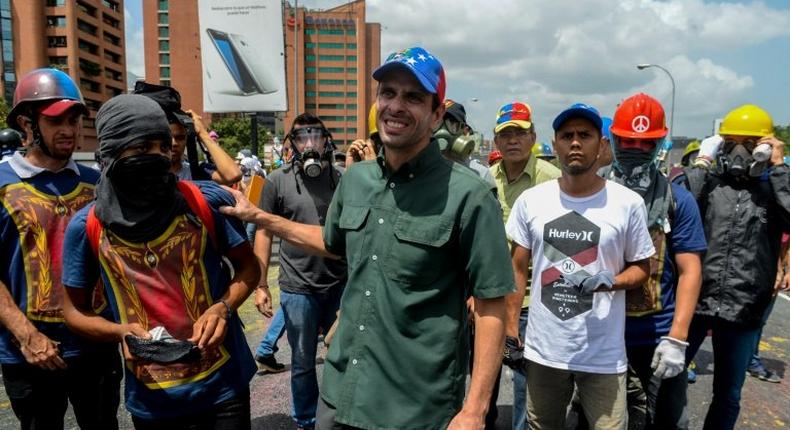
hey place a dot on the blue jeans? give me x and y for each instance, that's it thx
(305, 315)
(520, 382)
(756, 363)
(275, 331)
(733, 345)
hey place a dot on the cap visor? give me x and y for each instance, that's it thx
(515, 123)
(577, 113)
(57, 108)
(395, 65)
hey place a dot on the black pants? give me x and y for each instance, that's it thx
(233, 414)
(666, 398)
(91, 383)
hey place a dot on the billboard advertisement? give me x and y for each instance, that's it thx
(243, 57)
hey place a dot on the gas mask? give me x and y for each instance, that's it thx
(317, 145)
(736, 160)
(451, 138)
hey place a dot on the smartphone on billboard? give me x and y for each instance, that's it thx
(254, 61)
(233, 61)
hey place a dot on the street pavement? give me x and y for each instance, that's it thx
(763, 406)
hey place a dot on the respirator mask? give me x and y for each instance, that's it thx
(451, 137)
(744, 159)
(316, 144)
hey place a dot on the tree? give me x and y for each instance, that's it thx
(235, 135)
(4, 109)
(783, 134)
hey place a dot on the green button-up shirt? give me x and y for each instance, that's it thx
(418, 242)
(536, 171)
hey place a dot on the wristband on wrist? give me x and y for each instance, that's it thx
(227, 308)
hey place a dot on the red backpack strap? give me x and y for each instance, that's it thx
(198, 204)
(93, 229)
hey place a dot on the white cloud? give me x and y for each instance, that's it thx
(135, 52)
(551, 53)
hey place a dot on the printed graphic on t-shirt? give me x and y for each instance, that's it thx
(41, 220)
(163, 283)
(570, 242)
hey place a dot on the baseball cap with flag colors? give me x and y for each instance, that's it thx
(513, 114)
(422, 64)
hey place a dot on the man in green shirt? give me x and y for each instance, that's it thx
(514, 137)
(420, 235)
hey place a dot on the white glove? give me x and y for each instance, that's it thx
(708, 149)
(669, 359)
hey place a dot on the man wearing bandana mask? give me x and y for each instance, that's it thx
(745, 205)
(158, 252)
(659, 313)
(45, 366)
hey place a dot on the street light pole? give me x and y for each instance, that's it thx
(672, 109)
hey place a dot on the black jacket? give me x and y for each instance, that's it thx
(743, 224)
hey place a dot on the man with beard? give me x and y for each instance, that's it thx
(745, 205)
(157, 245)
(587, 241)
(420, 234)
(44, 365)
(660, 311)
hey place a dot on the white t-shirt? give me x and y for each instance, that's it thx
(578, 237)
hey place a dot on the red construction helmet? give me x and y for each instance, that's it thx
(493, 157)
(639, 117)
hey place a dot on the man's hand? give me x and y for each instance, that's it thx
(209, 330)
(466, 420)
(243, 210)
(197, 120)
(514, 354)
(360, 150)
(263, 301)
(604, 280)
(777, 146)
(669, 359)
(41, 351)
(133, 329)
(784, 284)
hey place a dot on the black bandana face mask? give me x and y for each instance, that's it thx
(142, 179)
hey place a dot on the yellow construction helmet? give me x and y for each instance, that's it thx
(747, 120)
(691, 147)
(372, 121)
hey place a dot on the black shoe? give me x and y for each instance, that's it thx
(269, 364)
(764, 374)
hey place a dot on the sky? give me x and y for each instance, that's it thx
(553, 53)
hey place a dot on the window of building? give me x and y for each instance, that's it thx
(164, 72)
(351, 32)
(309, 57)
(309, 45)
(330, 69)
(309, 31)
(330, 45)
(162, 4)
(92, 104)
(56, 3)
(89, 67)
(164, 58)
(330, 81)
(7, 28)
(110, 4)
(330, 57)
(352, 106)
(351, 81)
(87, 28)
(164, 31)
(330, 106)
(351, 130)
(112, 56)
(164, 45)
(351, 118)
(56, 21)
(56, 41)
(88, 9)
(58, 61)
(115, 40)
(351, 94)
(351, 70)
(112, 22)
(163, 18)
(113, 74)
(88, 85)
(336, 130)
(330, 31)
(165, 82)
(309, 93)
(330, 94)
(311, 106)
(87, 47)
(352, 58)
(309, 69)
(309, 81)
(351, 45)
(112, 92)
